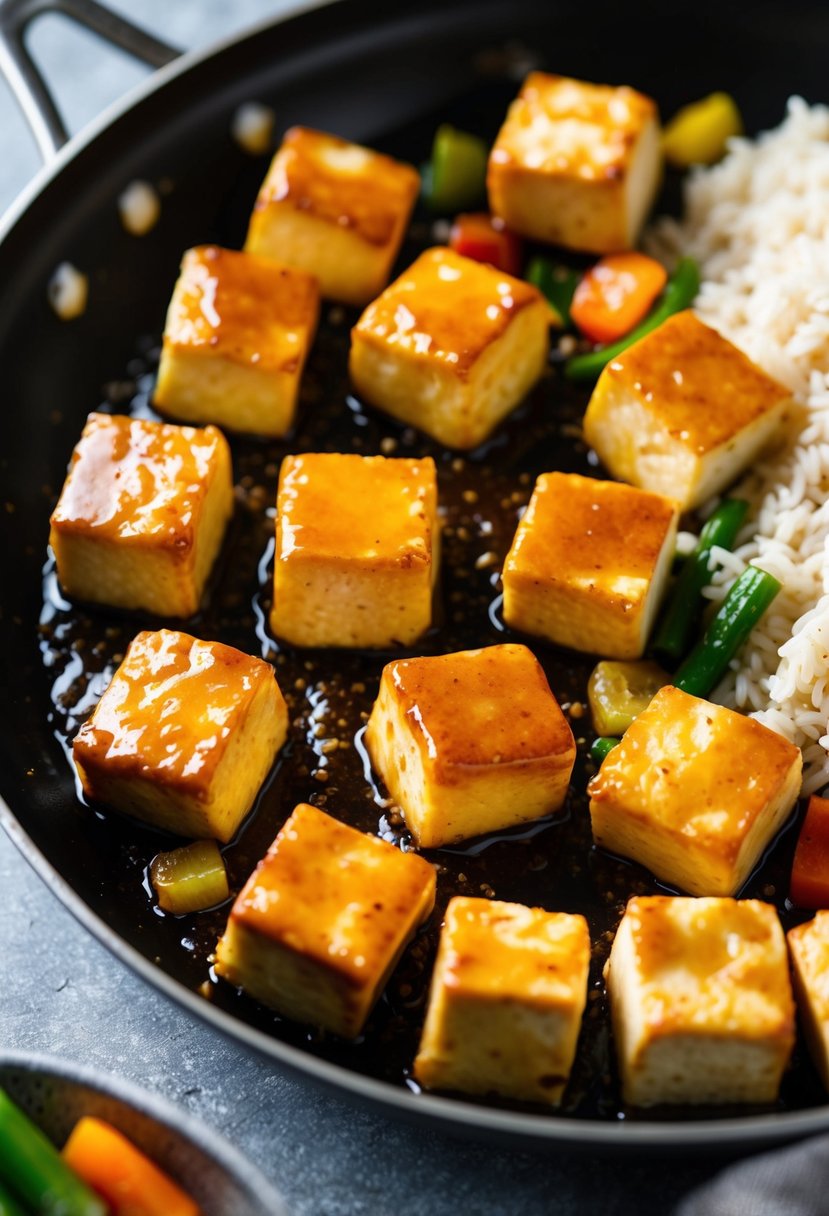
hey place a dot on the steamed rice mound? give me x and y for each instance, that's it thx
(758, 224)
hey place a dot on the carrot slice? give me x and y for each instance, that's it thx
(810, 871)
(616, 294)
(127, 1180)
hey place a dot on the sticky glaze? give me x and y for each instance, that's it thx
(243, 308)
(138, 481)
(340, 183)
(446, 309)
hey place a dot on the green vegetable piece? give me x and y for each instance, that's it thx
(32, 1166)
(8, 1204)
(190, 879)
(456, 175)
(557, 284)
(680, 293)
(683, 608)
(739, 612)
(602, 746)
(618, 692)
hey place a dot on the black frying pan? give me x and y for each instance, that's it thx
(384, 79)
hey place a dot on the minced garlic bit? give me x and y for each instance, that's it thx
(140, 207)
(68, 291)
(252, 127)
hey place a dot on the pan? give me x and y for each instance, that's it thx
(385, 78)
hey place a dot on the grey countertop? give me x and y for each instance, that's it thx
(63, 993)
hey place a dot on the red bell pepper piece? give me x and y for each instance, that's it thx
(810, 871)
(484, 238)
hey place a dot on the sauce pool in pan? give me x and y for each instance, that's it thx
(551, 863)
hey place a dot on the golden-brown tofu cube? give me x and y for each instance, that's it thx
(357, 550)
(323, 920)
(238, 331)
(184, 736)
(470, 742)
(809, 951)
(142, 514)
(576, 164)
(700, 1001)
(683, 412)
(695, 792)
(450, 347)
(336, 210)
(507, 998)
(589, 564)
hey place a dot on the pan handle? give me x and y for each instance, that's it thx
(21, 72)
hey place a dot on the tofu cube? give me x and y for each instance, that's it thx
(700, 1000)
(451, 347)
(335, 210)
(470, 742)
(576, 164)
(507, 998)
(322, 922)
(683, 412)
(142, 514)
(809, 952)
(357, 550)
(184, 736)
(589, 564)
(238, 332)
(695, 792)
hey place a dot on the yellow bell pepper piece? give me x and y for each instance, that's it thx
(190, 879)
(619, 692)
(698, 133)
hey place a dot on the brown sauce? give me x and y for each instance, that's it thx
(551, 864)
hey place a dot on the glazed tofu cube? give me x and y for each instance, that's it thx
(589, 564)
(809, 951)
(357, 550)
(507, 998)
(335, 210)
(683, 412)
(142, 514)
(576, 164)
(322, 922)
(184, 736)
(700, 1001)
(450, 347)
(238, 332)
(695, 792)
(470, 742)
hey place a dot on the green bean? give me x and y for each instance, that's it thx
(680, 293)
(33, 1167)
(671, 640)
(739, 612)
(9, 1206)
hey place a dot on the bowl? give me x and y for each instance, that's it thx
(56, 1093)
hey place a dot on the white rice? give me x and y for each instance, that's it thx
(758, 223)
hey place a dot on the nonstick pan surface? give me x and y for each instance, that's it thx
(387, 80)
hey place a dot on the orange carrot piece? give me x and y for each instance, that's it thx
(810, 870)
(616, 294)
(120, 1173)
